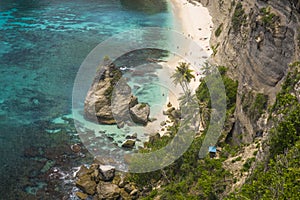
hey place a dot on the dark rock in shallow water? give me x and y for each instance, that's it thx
(76, 148)
(133, 136)
(129, 144)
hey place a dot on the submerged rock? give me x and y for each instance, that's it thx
(76, 148)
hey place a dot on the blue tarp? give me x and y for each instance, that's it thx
(212, 149)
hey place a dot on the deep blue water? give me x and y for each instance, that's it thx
(42, 44)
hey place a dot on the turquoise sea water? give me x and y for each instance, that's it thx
(42, 45)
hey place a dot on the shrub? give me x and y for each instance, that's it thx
(247, 164)
(238, 18)
(268, 19)
(219, 30)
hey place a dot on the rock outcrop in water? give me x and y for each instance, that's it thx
(110, 101)
(97, 105)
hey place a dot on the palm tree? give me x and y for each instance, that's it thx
(204, 113)
(183, 76)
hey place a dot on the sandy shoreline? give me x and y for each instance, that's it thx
(195, 23)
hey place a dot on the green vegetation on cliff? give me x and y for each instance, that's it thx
(268, 18)
(254, 105)
(190, 177)
(278, 176)
(238, 18)
(203, 94)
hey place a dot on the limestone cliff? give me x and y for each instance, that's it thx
(257, 40)
(97, 105)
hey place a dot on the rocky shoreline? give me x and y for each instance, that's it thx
(103, 182)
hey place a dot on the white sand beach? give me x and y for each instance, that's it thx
(194, 22)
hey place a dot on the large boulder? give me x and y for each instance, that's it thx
(140, 113)
(86, 184)
(107, 172)
(108, 191)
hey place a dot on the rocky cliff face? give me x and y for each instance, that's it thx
(256, 39)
